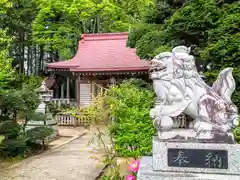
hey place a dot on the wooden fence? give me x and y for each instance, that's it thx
(64, 119)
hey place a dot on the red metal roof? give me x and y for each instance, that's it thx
(103, 52)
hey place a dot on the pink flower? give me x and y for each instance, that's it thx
(130, 177)
(134, 166)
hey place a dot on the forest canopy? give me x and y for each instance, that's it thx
(48, 30)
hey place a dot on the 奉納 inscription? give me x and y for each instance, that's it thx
(180, 159)
(198, 158)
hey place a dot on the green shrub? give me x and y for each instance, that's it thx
(9, 129)
(13, 147)
(132, 129)
(38, 134)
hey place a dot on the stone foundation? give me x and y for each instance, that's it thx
(185, 160)
(160, 156)
(146, 173)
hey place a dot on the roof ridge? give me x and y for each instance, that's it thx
(103, 52)
(104, 36)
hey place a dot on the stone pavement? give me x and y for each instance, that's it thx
(66, 134)
(69, 162)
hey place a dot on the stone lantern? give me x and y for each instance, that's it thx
(45, 96)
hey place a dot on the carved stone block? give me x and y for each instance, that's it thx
(146, 172)
(196, 157)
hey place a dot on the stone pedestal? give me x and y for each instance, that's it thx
(146, 172)
(191, 160)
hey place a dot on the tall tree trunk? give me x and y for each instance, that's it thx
(28, 60)
(31, 60)
(41, 58)
(35, 60)
(98, 23)
(94, 25)
(56, 56)
(22, 53)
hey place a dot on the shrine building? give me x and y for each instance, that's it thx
(101, 60)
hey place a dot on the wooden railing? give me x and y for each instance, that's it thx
(60, 102)
(64, 119)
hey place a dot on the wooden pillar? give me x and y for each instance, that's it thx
(62, 91)
(56, 92)
(93, 90)
(113, 81)
(68, 93)
(78, 90)
(62, 95)
(92, 81)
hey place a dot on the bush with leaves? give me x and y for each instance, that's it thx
(38, 135)
(12, 145)
(18, 142)
(18, 97)
(9, 129)
(131, 129)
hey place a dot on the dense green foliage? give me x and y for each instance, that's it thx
(130, 106)
(48, 30)
(58, 24)
(201, 24)
(38, 134)
(18, 98)
(9, 129)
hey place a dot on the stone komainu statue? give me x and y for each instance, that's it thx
(180, 89)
